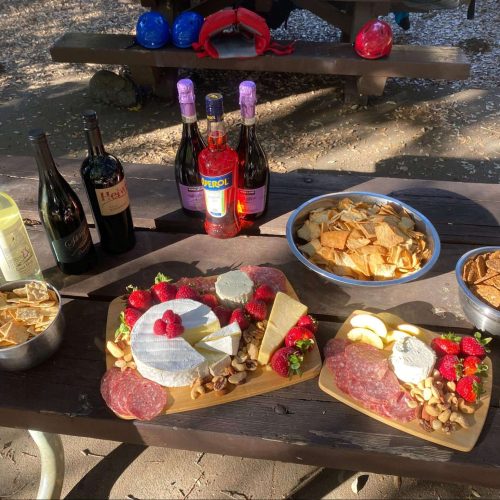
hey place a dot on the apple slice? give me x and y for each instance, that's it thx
(411, 329)
(394, 335)
(366, 336)
(373, 323)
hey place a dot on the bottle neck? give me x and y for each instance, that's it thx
(217, 136)
(94, 142)
(44, 159)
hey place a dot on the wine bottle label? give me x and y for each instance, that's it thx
(252, 201)
(217, 193)
(73, 247)
(17, 259)
(113, 200)
(192, 197)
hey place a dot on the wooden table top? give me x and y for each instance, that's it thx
(62, 395)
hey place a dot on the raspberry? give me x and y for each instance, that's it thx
(173, 330)
(159, 327)
(170, 317)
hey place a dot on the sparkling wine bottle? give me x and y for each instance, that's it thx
(106, 188)
(17, 258)
(219, 174)
(253, 175)
(187, 174)
(61, 213)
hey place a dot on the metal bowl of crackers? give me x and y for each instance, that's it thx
(363, 239)
(478, 278)
(31, 323)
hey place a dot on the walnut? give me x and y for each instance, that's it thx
(220, 385)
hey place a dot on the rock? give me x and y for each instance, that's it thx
(475, 45)
(113, 89)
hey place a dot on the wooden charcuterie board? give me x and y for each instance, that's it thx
(461, 440)
(258, 382)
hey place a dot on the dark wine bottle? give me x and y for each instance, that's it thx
(106, 188)
(187, 175)
(61, 213)
(253, 174)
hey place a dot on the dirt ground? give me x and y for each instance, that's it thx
(418, 128)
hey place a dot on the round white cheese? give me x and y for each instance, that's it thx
(234, 288)
(173, 362)
(412, 360)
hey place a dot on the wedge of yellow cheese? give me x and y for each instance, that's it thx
(284, 314)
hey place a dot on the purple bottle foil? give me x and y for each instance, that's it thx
(185, 88)
(248, 98)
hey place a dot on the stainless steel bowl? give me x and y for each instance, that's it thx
(37, 349)
(480, 314)
(327, 200)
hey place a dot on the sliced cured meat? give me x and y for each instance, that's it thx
(147, 400)
(202, 284)
(366, 362)
(124, 385)
(335, 346)
(398, 408)
(107, 380)
(114, 385)
(261, 275)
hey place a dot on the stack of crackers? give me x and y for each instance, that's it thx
(26, 312)
(364, 241)
(482, 275)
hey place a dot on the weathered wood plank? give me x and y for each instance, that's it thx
(314, 429)
(308, 57)
(431, 301)
(461, 212)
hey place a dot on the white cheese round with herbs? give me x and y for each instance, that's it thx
(173, 362)
(412, 360)
(234, 288)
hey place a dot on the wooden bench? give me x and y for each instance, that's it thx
(321, 58)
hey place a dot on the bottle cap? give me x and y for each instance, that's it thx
(89, 119)
(185, 88)
(36, 135)
(248, 93)
(215, 106)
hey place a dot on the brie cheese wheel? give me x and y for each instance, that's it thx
(412, 360)
(234, 288)
(226, 340)
(173, 362)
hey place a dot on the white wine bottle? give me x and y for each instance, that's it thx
(17, 258)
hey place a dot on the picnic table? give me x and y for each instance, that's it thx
(363, 78)
(299, 424)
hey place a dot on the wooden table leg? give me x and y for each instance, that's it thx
(161, 80)
(52, 460)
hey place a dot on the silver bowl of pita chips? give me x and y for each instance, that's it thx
(31, 323)
(363, 239)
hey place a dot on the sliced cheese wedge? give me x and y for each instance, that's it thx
(284, 315)
(226, 340)
(217, 361)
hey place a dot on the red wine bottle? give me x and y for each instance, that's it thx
(253, 176)
(61, 213)
(187, 174)
(106, 188)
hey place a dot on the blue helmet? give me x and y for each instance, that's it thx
(152, 30)
(186, 29)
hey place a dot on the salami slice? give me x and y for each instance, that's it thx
(366, 362)
(202, 284)
(147, 400)
(398, 408)
(107, 381)
(125, 384)
(261, 275)
(335, 346)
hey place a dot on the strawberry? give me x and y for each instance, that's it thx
(140, 299)
(130, 316)
(308, 322)
(186, 292)
(162, 290)
(223, 314)
(264, 293)
(475, 346)
(159, 327)
(173, 330)
(446, 344)
(300, 337)
(241, 318)
(170, 317)
(449, 367)
(469, 388)
(286, 361)
(257, 309)
(210, 300)
(473, 366)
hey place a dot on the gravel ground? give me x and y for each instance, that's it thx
(418, 128)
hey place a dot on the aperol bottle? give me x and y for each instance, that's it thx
(218, 165)
(253, 174)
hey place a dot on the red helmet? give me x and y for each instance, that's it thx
(374, 40)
